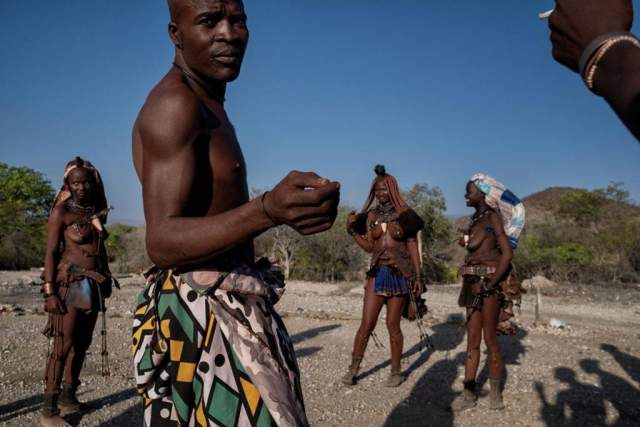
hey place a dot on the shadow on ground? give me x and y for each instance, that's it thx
(20, 407)
(445, 337)
(33, 403)
(584, 404)
(430, 400)
(512, 349)
(309, 334)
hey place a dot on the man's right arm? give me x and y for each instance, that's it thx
(168, 129)
(618, 81)
(575, 24)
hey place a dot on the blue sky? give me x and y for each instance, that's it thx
(435, 90)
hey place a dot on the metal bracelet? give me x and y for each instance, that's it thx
(593, 64)
(264, 208)
(593, 47)
(47, 289)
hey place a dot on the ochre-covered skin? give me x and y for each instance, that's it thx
(393, 246)
(75, 252)
(487, 246)
(78, 237)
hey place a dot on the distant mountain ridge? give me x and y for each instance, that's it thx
(547, 202)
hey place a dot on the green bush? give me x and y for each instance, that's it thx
(634, 257)
(582, 206)
(115, 244)
(558, 260)
(126, 249)
(25, 199)
(567, 254)
(430, 204)
(329, 256)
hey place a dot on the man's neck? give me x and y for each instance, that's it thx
(205, 88)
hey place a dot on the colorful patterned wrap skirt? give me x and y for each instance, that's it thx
(209, 350)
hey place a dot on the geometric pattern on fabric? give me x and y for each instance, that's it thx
(186, 370)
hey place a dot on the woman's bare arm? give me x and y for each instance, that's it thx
(506, 252)
(54, 237)
(365, 241)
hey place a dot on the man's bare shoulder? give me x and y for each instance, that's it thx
(170, 115)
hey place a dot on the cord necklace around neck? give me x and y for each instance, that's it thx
(386, 213)
(478, 216)
(77, 207)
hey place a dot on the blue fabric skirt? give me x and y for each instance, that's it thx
(388, 284)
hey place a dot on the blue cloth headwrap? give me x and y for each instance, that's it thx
(507, 204)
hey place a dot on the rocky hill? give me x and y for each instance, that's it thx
(547, 204)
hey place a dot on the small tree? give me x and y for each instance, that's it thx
(284, 247)
(25, 199)
(430, 204)
(330, 256)
(617, 191)
(126, 249)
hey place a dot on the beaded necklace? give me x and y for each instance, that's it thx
(385, 213)
(477, 217)
(78, 208)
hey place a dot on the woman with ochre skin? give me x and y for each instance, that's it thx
(76, 282)
(488, 290)
(388, 231)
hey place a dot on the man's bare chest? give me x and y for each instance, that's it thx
(221, 173)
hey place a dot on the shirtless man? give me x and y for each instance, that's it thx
(239, 369)
(592, 38)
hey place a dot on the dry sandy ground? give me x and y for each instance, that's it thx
(586, 374)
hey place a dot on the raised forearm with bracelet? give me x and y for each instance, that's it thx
(597, 49)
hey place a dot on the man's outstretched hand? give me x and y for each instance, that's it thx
(304, 201)
(576, 23)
